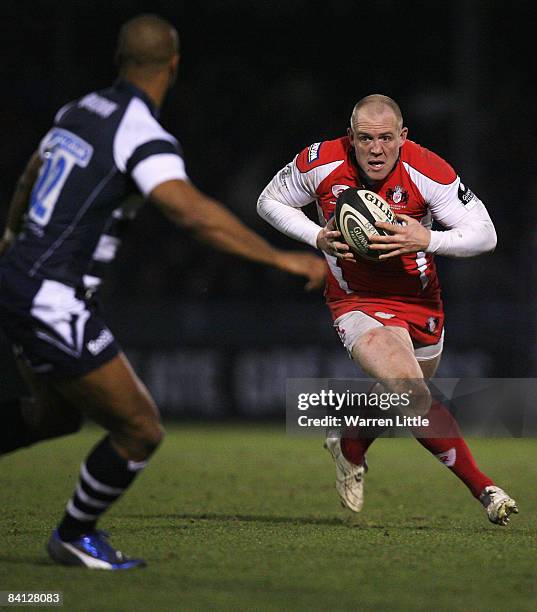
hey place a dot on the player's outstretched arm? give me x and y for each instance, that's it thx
(214, 224)
(19, 201)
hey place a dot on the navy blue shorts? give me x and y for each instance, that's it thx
(56, 332)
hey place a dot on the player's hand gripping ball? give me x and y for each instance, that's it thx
(357, 210)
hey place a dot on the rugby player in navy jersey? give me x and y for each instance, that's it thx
(63, 229)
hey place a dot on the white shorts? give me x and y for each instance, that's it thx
(352, 325)
(55, 332)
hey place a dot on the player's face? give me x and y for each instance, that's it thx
(377, 138)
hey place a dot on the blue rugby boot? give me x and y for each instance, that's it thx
(91, 551)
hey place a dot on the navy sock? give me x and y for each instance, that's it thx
(104, 477)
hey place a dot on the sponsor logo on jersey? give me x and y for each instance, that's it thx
(397, 195)
(448, 458)
(337, 189)
(313, 152)
(285, 173)
(432, 324)
(101, 342)
(465, 193)
(98, 105)
(69, 143)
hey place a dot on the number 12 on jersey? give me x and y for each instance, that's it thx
(61, 151)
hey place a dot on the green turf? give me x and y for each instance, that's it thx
(238, 518)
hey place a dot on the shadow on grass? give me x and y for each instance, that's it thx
(415, 524)
(246, 518)
(348, 521)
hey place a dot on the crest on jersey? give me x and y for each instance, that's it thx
(337, 189)
(431, 324)
(397, 195)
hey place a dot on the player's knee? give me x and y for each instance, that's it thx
(385, 348)
(138, 440)
(153, 437)
(145, 434)
(420, 398)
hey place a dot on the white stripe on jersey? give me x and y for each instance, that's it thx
(470, 229)
(295, 188)
(337, 272)
(291, 189)
(158, 169)
(442, 199)
(422, 264)
(137, 127)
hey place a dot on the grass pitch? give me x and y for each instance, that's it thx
(246, 518)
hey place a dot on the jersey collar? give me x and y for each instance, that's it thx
(127, 86)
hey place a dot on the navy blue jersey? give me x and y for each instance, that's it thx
(101, 149)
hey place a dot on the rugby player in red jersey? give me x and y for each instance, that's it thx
(389, 314)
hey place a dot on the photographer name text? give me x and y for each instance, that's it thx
(356, 420)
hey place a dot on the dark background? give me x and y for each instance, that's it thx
(258, 82)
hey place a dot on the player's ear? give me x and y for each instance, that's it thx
(404, 134)
(350, 134)
(174, 68)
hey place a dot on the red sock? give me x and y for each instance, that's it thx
(452, 451)
(354, 449)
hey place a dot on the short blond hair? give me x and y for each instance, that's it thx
(378, 102)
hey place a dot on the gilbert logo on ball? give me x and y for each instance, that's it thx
(357, 210)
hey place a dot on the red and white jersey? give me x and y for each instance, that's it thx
(422, 185)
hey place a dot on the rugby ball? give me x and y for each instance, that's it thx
(357, 210)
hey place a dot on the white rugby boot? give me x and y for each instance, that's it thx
(498, 505)
(349, 477)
